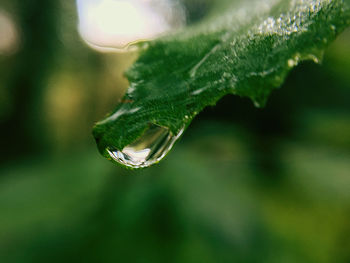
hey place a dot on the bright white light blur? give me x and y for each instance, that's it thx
(116, 23)
(8, 34)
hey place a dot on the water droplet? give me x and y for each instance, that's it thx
(292, 62)
(149, 149)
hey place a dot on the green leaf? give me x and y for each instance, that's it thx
(242, 47)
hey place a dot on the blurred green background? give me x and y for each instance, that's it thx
(242, 185)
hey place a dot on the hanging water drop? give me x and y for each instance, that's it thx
(113, 25)
(149, 149)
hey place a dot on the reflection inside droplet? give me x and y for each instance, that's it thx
(150, 148)
(114, 24)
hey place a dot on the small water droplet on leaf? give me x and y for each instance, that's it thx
(147, 150)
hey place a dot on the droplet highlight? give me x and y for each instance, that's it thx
(147, 150)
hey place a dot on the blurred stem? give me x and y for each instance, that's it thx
(34, 62)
